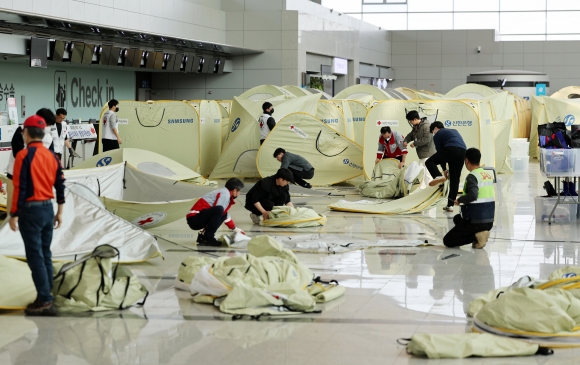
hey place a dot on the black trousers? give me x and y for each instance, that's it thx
(299, 176)
(464, 232)
(400, 158)
(209, 219)
(455, 158)
(262, 141)
(110, 144)
(268, 204)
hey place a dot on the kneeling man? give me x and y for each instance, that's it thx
(298, 166)
(477, 206)
(210, 211)
(267, 193)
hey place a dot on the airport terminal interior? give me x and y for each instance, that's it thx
(413, 164)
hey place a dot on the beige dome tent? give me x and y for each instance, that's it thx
(502, 136)
(170, 128)
(568, 92)
(238, 157)
(145, 200)
(359, 113)
(471, 92)
(225, 107)
(334, 157)
(86, 225)
(330, 113)
(362, 90)
(210, 120)
(296, 90)
(323, 95)
(412, 94)
(266, 92)
(145, 161)
(471, 119)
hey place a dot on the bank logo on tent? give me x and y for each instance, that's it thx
(448, 123)
(235, 124)
(387, 123)
(105, 161)
(569, 275)
(569, 120)
(345, 161)
(458, 123)
(149, 219)
(298, 131)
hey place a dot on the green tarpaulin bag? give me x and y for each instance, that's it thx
(457, 346)
(93, 283)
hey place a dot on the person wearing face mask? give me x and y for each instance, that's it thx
(111, 138)
(266, 122)
(450, 151)
(421, 139)
(210, 211)
(268, 193)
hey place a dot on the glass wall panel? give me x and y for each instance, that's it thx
(429, 21)
(471, 5)
(396, 21)
(563, 5)
(426, 6)
(563, 22)
(522, 5)
(478, 20)
(522, 22)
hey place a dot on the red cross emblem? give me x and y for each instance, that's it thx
(145, 221)
(291, 127)
(93, 130)
(378, 122)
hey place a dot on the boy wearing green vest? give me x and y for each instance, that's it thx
(477, 206)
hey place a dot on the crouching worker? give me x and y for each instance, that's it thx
(210, 211)
(300, 168)
(267, 193)
(36, 171)
(477, 206)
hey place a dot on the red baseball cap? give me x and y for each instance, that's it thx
(35, 121)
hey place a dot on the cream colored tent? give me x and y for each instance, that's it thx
(568, 92)
(502, 135)
(359, 113)
(323, 95)
(348, 119)
(362, 90)
(170, 128)
(238, 157)
(330, 113)
(86, 225)
(472, 120)
(210, 120)
(225, 107)
(412, 94)
(296, 90)
(265, 92)
(145, 161)
(549, 110)
(471, 91)
(334, 157)
(147, 201)
(538, 117)
(17, 286)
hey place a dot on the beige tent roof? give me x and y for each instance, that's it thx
(296, 90)
(265, 92)
(324, 96)
(357, 91)
(334, 157)
(471, 91)
(569, 92)
(170, 128)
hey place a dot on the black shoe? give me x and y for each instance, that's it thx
(41, 309)
(202, 240)
(307, 186)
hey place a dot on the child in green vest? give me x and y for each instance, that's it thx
(477, 206)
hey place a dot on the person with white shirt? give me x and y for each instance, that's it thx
(61, 134)
(111, 138)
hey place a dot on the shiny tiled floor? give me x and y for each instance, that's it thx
(392, 293)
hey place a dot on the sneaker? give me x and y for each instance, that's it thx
(307, 186)
(481, 238)
(206, 241)
(41, 309)
(448, 209)
(437, 181)
(255, 218)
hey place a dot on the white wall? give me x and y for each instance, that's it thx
(439, 60)
(195, 19)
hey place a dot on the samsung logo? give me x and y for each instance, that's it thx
(359, 119)
(179, 121)
(330, 121)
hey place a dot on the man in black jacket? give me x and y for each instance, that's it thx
(267, 193)
(299, 167)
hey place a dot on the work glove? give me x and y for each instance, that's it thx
(238, 230)
(73, 153)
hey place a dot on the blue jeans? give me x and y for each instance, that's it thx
(36, 223)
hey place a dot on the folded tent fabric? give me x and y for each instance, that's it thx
(268, 280)
(389, 181)
(293, 217)
(16, 285)
(457, 346)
